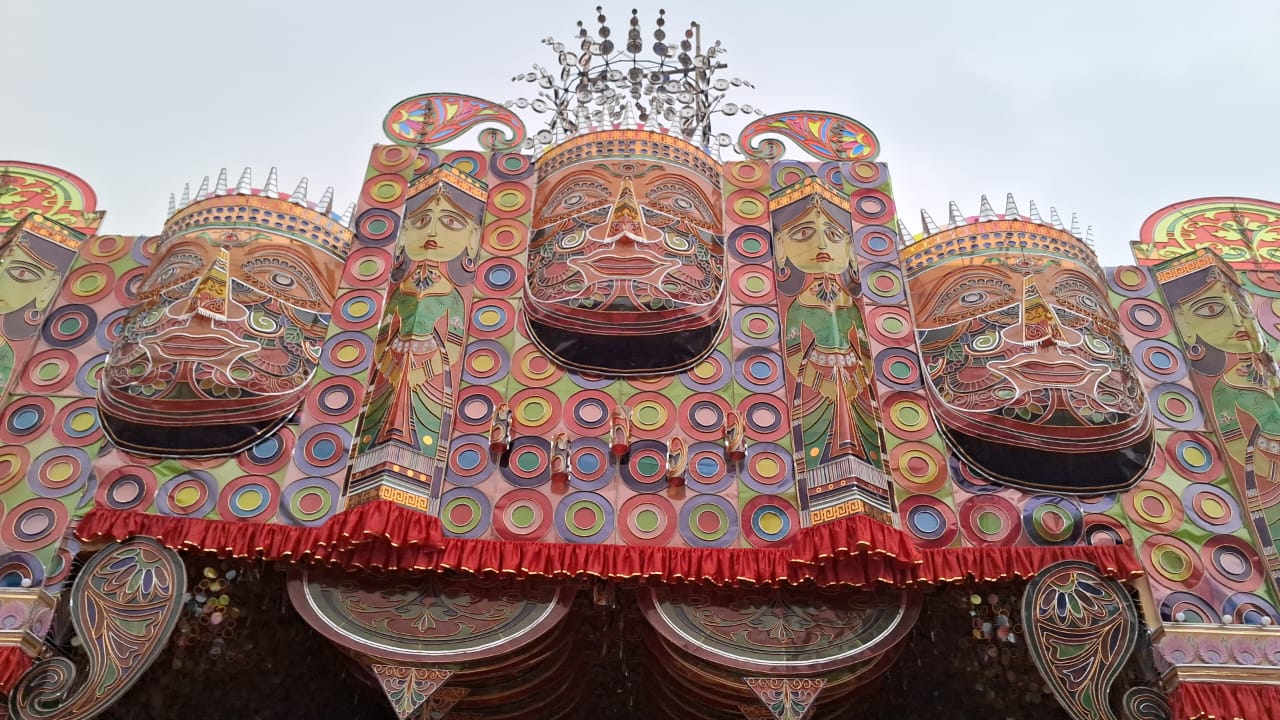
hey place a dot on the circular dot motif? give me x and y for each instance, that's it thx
(190, 494)
(591, 464)
(1176, 406)
(645, 469)
(465, 512)
(909, 416)
(347, 353)
(1154, 506)
(918, 467)
(485, 361)
(249, 497)
(1159, 360)
(323, 449)
(769, 519)
(584, 517)
(652, 415)
(1171, 562)
(990, 519)
(708, 472)
(127, 488)
(69, 326)
(710, 375)
(1194, 456)
(491, 319)
(1212, 508)
(1145, 318)
(929, 520)
(534, 369)
(874, 242)
(1233, 563)
(522, 515)
(77, 423)
(1052, 520)
(702, 416)
(899, 368)
(647, 520)
(760, 370)
(756, 326)
(33, 524)
(59, 472)
(530, 462)
(709, 521)
(765, 417)
(336, 399)
(769, 468)
(475, 407)
(883, 283)
(500, 277)
(1130, 281)
(588, 412)
(268, 454)
(50, 371)
(468, 460)
(750, 245)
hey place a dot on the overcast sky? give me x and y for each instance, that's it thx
(1111, 109)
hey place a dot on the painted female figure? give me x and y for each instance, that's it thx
(832, 406)
(1226, 348)
(424, 330)
(31, 270)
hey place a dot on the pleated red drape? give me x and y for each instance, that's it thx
(1225, 701)
(854, 551)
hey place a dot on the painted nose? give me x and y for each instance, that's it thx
(626, 221)
(1039, 324)
(212, 294)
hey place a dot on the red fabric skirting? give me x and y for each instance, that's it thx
(373, 527)
(854, 551)
(1002, 563)
(1225, 701)
(13, 662)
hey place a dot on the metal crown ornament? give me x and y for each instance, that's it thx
(602, 85)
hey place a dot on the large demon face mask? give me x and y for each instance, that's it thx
(1026, 365)
(626, 263)
(227, 331)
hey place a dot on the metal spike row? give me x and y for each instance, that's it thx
(1055, 219)
(299, 196)
(185, 200)
(270, 189)
(1011, 208)
(203, 192)
(905, 237)
(954, 218)
(325, 206)
(346, 216)
(1088, 236)
(1035, 213)
(173, 206)
(1075, 226)
(220, 187)
(245, 185)
(930, 227)
(985, 211)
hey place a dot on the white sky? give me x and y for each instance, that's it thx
(1111, 109)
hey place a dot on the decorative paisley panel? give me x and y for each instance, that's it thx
(824, 135)
(1081, 629)
(124, 605)
(427, 619)
(783, 631)
(433, 119)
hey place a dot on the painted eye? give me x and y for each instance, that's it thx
(973, 298)
(1210, 309)
(681, 202)
(574, 200)
(452, 222)
(986, 341)
(284, 281)
(421, 221)
(22, 274)
(801, 234)
(678, 243)
(1089, 302)
(571, 241)
(1098, 346)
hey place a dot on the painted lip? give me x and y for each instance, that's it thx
(216, 344)
(1244, 335)
(822, 258)
(1052, 369)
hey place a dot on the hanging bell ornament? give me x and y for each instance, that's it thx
(735, 442)
(677, 462)
(500, 429)
(560, 458)
(620, 431)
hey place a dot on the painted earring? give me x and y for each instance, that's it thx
(32, 316)
(469, 261)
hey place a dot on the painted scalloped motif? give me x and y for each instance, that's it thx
(432, 119)
(824, 135)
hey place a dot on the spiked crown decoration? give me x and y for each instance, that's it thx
(601, 85)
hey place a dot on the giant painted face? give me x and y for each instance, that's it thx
(1027, 368)
(226, 333)
(626, 263)
(32, 268)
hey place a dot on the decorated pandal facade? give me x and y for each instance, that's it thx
(624, 418)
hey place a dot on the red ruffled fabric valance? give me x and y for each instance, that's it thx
(380, 535)
(375, 527)
(13, 662)
(1225, 701)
